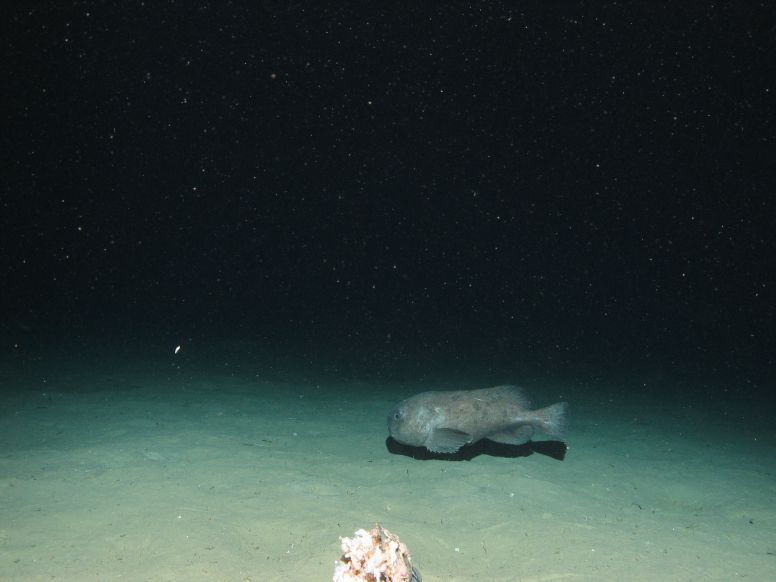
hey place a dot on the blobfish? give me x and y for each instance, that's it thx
(444, 421)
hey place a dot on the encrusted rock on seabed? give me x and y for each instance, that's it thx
(374, 556)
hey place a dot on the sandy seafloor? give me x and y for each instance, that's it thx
(120, 468)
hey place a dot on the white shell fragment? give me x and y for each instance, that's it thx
(374, 556)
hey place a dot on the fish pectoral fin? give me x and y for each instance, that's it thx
(447, 440)
(513, 436)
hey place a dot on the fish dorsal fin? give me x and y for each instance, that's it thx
(515, 393)
(447, 440)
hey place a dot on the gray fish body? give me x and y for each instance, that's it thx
(443, 422)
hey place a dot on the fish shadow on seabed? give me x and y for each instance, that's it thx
(553, 449)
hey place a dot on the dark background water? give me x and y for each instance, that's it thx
(394, 190)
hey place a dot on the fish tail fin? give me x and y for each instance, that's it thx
(554, 419)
